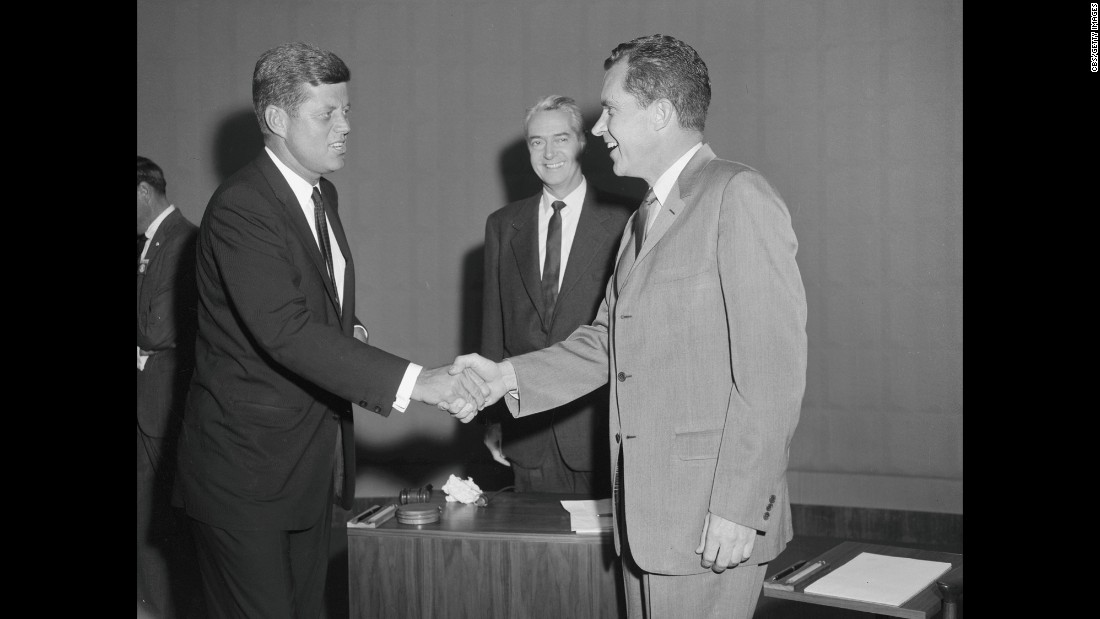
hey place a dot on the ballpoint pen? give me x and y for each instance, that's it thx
(366, 514)
(788, 570)
(806, 571)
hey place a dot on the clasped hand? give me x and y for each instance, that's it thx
(467, 386)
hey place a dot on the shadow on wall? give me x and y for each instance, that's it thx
(238, 141)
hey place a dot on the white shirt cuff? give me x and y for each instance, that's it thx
(405, 389)
(508, 374)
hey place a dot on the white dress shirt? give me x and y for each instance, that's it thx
(664, 183)
(570, 215)
(304, 192)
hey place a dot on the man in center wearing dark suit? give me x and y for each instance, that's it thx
(547, 261)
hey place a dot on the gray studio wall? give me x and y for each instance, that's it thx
(852, 108)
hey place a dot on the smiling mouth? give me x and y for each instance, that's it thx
(339, 147)
(612, 145)
(555, 166)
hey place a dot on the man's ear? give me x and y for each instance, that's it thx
(276, 119)
(144, 191)
(662, 112)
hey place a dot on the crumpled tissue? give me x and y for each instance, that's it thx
(461, 490)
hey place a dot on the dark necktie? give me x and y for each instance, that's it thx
(322, 239)
(141, 245)
(640, 221)
(552, 265)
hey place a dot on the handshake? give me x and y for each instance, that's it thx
(463, 388)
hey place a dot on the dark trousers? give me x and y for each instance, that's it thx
(552, 475)
(264, 574)
(167, 573)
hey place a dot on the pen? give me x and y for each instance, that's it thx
(370, 510)
(806, 571)
(787, 571)
(382, 516)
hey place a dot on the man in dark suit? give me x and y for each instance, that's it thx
(547, 261)
(702, 334)
(166, 573)
(267, 445)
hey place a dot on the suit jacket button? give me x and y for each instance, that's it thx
(363, 403)
(772, 500)
(766, 514)
(621, 376)
(377, 409)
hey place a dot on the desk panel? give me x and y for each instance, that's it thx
(515, 558)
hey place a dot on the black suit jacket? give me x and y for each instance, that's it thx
(166, 325)
(515, 322)
(276, 366)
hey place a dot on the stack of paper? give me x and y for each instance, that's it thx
(589, 516)
(879, 579)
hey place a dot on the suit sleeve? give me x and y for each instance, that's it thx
(492, 311)
(766, 314)
(170, 318)
(249, 241)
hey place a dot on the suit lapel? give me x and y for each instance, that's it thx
(290, 203)
(588, 239)
(155, 244)
(674, 206)
(525, 249)
(342, 242)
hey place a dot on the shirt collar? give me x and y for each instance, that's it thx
(301, 188)
(574, 199)
(664, 184)
(156, 222)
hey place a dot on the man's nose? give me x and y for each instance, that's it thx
(343, 124)
(601, 125)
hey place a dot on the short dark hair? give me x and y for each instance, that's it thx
(281, 71)
(663, 67)
(149, 172)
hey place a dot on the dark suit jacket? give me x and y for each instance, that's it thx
(515, 322)
(166, 325)
(276, 366)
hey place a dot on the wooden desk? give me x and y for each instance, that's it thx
(517, 557)
(924, 605)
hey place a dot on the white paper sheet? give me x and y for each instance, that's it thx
(879, 579)
(585, 516)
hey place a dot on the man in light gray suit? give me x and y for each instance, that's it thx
(702, 336)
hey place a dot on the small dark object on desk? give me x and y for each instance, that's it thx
(418, 495)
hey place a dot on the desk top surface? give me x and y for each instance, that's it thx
(528, 515)
(921, 606)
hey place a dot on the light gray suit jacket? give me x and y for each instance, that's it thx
(703, 339)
